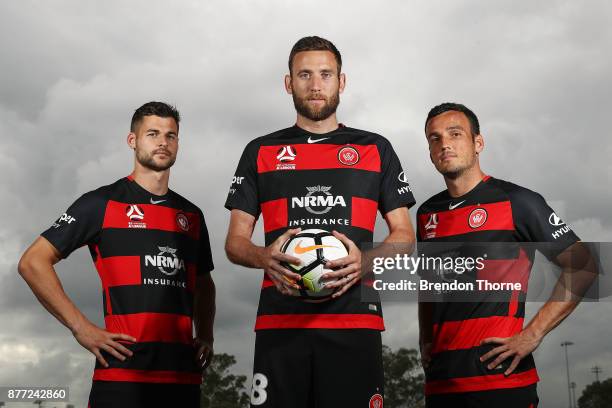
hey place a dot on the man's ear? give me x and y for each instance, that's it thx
(342, 84)
(288, 86)
(131, 140)
(479, 143)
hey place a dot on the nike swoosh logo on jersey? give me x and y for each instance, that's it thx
(453, 206)
(156, 201)
(302, 250)
(310, 140)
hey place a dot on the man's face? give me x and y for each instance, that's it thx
(155, 142)
(452, 148)
(314, 84)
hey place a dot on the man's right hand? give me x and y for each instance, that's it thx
(283, 278)
(96, 339)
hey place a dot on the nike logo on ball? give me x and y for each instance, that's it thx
(302, 250)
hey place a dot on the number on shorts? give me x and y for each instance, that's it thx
(258, 392)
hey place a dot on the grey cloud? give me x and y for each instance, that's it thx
(536, 74)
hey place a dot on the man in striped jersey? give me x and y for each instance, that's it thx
(316, 174)
(152, 252)
(477, 353)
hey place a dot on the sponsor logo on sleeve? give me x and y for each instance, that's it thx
(403, 179)
(68, 219)
(555, 221)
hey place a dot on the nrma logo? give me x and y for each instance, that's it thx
(166, 261)
(318, 200)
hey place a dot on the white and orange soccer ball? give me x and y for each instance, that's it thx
(314, 247)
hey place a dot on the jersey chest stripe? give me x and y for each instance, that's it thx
(150, 216)
(363, 213)
(119, 270)
(468, 333)
(275, 214)
(495, 217)
(317, 157)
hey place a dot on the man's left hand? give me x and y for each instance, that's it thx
(516, 347)
(350, 272)
(204, 353)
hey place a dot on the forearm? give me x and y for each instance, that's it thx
(425, 322)
(46, 286)
(204, 308)
(242, 251)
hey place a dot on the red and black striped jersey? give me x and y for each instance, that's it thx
(495, 211)
(148, 250)
(333, 181)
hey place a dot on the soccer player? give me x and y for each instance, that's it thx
(477, 354)
(316, 174)
(151, 249)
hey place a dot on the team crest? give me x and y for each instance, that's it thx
(182, 221)
(477, 218)
(348, 155)
(376, 401)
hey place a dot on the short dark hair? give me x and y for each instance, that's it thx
(450, 106)
(315, 43)
(161, 109)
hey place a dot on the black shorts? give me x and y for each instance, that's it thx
(119, 394)
(323, 368)
(522, 397)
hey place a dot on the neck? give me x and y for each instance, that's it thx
(322, 126)
(155, 182)
(465, 182)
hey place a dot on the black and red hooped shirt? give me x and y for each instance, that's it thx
(148, 250)
(333, 181)
(494, 211)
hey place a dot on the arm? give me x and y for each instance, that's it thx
(577, 274)
(425, 332)
(204, 318)
(400, 231)
(241, 250)
(36, 268)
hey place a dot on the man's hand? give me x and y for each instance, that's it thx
(518, 347)
(425, 354)
(283, 278)
(204, 353)
(95, 339)
(350, 268)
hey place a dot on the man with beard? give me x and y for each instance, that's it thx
(152, 252)
(324, 354)
(475, 350)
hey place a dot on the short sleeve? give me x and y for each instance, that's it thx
(394, 186)
(243, 193)
(79, 225)
(535, 221)
(205, 261)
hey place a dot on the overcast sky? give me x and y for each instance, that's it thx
(536, 73)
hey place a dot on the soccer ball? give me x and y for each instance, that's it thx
(314, 247)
